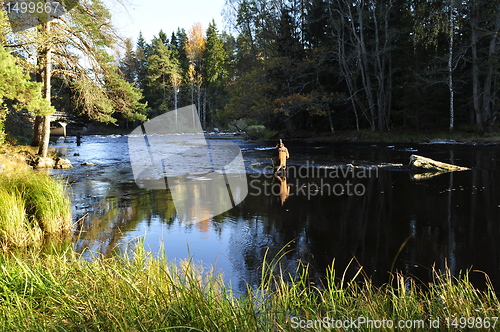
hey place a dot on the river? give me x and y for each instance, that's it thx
(345, 201)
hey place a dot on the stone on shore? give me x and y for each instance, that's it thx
(40, 162)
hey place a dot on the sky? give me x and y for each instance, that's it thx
(149, 16)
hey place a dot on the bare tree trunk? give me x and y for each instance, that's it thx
(388, 62)
(330, 119)
(380, 72)
(482, 98)
(488, 80)
(344, 68)
(192, 103)
(46, 57)
(365, 71)
(475, 76)
(383, 70)
(176, 92)
(205, 108)
(37, 131)
(450, 67)
(201, 111)
(43, 148)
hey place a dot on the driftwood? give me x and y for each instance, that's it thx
(427, 164)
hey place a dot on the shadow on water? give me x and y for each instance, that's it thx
(449, 220)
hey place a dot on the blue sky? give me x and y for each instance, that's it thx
(149, 16)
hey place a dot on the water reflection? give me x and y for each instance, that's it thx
(449, 220)
(284, 189)
(104, 224)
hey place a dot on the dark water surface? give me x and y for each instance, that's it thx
(383, 218)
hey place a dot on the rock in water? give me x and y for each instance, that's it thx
(423, 163)
(62, 163)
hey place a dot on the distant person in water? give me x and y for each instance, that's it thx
(78, 139)
(282, 157)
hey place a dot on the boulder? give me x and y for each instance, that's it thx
(40, 162)
(62, 163)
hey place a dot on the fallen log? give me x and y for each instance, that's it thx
(419, 163)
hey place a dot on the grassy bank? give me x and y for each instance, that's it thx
(142, 293)
(33, 206)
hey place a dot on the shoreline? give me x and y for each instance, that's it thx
(397, 137)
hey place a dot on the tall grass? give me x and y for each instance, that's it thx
(32, 205)
(13, 227)
(143, 293)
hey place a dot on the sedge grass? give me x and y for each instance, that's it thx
(32, 206)
(13, 227)
(144, 293)
(46, 201)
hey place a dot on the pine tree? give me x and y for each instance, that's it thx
(129, 64)
(15, 85)
(164, 76)
(141, 54)
(85, 31)
(216, 68)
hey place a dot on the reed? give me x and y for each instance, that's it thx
(140, 292)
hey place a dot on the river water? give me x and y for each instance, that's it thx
(339, 201)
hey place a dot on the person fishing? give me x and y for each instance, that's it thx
(282, 156)
(78, 139)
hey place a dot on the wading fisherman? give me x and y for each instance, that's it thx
(78, 139)
(282, 157)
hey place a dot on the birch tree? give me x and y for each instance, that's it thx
(451, 28)
(195, 49)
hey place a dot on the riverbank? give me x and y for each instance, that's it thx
(396, 136)
(142, 293)
(33, 206)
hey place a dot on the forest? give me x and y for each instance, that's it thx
(299, 67)
(284, 67)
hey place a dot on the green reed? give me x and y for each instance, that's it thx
(141, 292)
